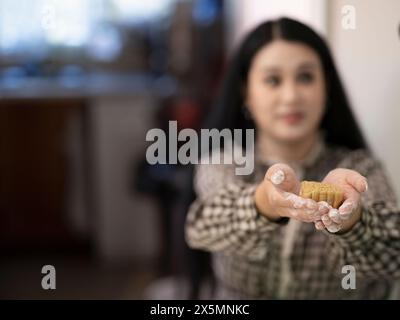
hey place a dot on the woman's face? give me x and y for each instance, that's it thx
(286, 91)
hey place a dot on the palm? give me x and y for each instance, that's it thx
(342, 178)
(353, 184)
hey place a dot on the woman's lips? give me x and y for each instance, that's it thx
(292, 118)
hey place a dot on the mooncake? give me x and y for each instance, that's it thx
(322, 192)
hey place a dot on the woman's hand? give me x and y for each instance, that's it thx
(276, 196)
(349, 213)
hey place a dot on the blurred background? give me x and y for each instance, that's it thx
(81, 83)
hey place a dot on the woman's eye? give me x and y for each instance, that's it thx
(272, 81)
(306, 77)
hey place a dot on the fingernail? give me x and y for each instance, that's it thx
(323, 207)
(366, 186)
(278, 177)
(334, 214)
(333, 228)
(324, 204)
(327, 221)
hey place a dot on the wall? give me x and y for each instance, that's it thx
(368, 58)
(243, 15)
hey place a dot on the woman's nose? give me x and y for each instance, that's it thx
(289, 93)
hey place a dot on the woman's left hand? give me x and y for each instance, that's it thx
(349, 213)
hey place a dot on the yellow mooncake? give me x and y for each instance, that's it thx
(322, 192)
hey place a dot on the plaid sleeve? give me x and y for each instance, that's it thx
(372, 246)
(224, 216)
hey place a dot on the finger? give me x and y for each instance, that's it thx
(303, 215)
(326, 220)
(347, 208)
(323, 207)
(358, 181)
(317, 215)
(283, 177)
(298, 202)
(319, 225)
(295, 201)
(334, 228)
(301, 203)
(291, 200)
(334, 215)
(311, 204)
(329, 224)
(305, 209)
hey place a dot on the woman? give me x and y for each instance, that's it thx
(266, 241)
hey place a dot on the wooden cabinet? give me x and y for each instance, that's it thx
(33, 173)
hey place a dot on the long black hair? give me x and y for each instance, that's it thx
(339, 124)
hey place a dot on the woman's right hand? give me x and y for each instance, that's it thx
(277, 197)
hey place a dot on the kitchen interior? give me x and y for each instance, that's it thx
(82, 82)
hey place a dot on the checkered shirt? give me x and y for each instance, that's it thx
(247, 248)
